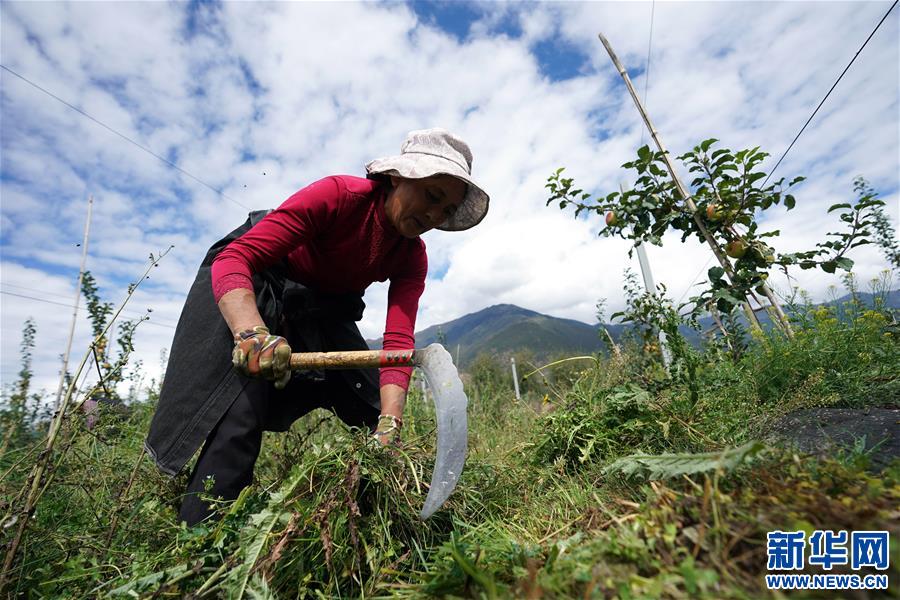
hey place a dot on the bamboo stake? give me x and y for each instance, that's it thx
(84, 251)
(779, 313)
(682, 190)
(617, 353)
(715, 315)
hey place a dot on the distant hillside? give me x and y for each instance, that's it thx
(892, 300)
(503, 329)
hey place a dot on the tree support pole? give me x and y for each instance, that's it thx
(682, 190)
(515, 377)
(84, 250)
(650, 286)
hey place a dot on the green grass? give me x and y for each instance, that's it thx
(538, 513)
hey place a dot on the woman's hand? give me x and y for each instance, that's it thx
(393, 401)
(257, 353)
(388, 430)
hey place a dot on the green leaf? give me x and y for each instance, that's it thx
(663, 466)
(148, 582)
(844, 263)
(789, 202)
(644, 153)
(255, 535)
(837, 206)
(715, 273)
(829, 266)
(483, 578)
(705, 144)
(731, 298)
(755, 177)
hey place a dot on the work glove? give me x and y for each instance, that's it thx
(388, 430)
(257, 353)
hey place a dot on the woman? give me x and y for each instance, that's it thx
(293, 280)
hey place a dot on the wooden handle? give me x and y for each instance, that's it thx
(358, 359)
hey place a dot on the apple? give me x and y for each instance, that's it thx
(713, 213)
(611, 219)
(736, 248)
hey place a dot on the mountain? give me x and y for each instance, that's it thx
(504, 329)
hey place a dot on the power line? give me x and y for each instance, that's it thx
(125, 137)
(22, 287)
(647, 71)
(66, 296)
(831, 90)
(151, 322)
(801, 129)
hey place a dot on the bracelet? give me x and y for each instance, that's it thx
(395, 423)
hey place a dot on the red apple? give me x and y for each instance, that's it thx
(611, 219)
(713, 213)
(736, 248)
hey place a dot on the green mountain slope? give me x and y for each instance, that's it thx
(504, 329)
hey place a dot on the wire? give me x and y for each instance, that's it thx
(151, 322)
(801, 129)
(831, 90)
(125, 137)
(647, 71)
(45, 293)
(694, 280)
(22, 287)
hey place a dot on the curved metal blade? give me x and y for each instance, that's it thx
(452, 424)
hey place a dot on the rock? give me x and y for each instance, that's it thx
(825, 431)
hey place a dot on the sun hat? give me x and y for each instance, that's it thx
(436, 151)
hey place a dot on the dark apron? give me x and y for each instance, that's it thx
(200, 383)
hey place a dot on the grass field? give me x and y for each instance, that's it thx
(549, 504)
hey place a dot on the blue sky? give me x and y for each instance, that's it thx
(557, 59)
(256, 100)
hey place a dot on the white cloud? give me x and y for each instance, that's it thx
(337, 84)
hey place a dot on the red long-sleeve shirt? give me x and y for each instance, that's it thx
(337, 239)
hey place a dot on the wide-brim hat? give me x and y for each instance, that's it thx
(436, 151)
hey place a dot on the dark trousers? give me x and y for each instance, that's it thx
(232, 447)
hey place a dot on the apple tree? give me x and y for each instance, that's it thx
(730, 193)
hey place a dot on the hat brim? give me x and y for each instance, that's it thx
(414, 165)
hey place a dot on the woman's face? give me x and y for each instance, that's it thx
(415, 206)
